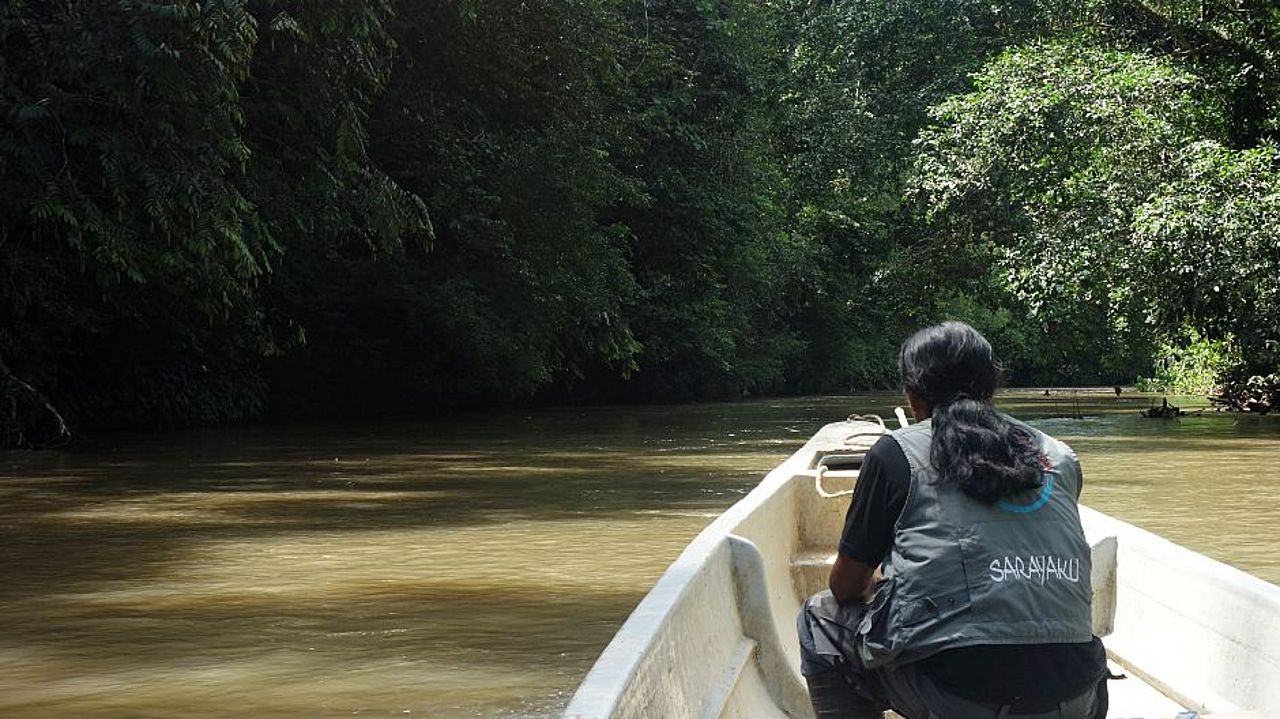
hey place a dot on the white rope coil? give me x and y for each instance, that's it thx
(863, 439)
(822, 492)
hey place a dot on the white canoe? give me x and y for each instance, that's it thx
(715, 638)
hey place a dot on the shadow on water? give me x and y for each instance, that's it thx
(104, 522)
(254, 482)
(205, 559)
(358, 622)
(113, 509)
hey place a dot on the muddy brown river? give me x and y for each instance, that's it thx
(465, 568)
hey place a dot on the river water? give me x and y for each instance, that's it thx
(468, 568)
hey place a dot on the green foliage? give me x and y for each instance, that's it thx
(1213, 236)
(158, 160)
(315, 76)
(861, 79)
(1194, 365)
(1112, 209)
(214, 210)
(500, 117)
(707, 255)
(128, 244)
(1043, 169)
(1018, 347)
(1232, 44)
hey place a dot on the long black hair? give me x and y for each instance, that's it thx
(951, 368)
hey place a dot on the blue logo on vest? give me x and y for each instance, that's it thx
(1039, 502)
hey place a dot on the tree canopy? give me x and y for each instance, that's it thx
(219, 210)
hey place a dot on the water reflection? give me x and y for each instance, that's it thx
(465, 568)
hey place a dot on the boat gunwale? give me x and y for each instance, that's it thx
(621, 659)
(1205, 693)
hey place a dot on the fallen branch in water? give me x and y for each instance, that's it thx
(1259, 394)
(1164, 411)
(27, 419)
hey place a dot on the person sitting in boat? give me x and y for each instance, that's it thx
(981, 605)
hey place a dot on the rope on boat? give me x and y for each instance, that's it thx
(822, 492)
(857, 438)
(869, 419)
(872, 418)
(852, 459)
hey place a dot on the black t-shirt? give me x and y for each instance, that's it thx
(1032, 677)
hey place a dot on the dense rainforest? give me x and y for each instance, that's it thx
(215, 211)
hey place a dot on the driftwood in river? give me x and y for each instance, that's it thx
(1259, 394)
(1164, 411)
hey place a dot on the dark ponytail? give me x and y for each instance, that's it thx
(951, 368)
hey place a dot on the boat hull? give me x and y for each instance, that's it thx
(715, 638)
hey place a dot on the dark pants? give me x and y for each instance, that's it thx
(840, 687)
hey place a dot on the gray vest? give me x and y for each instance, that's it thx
(961, 573)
